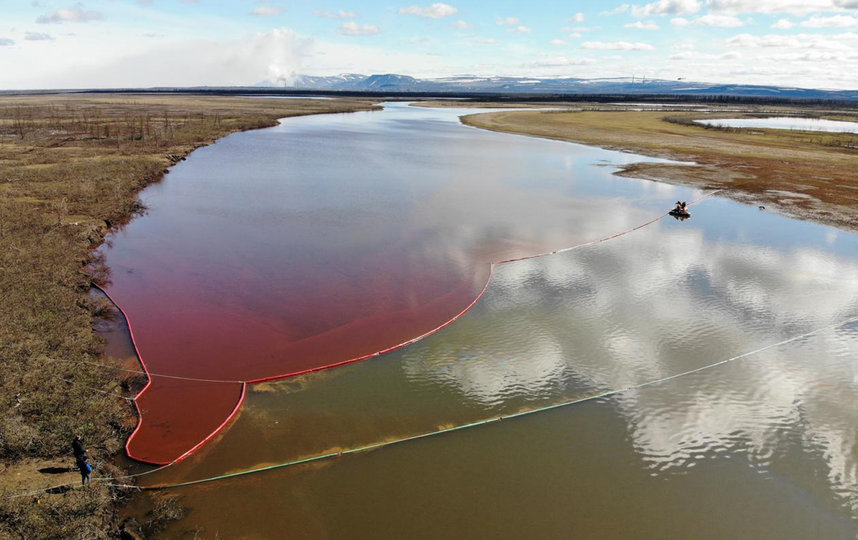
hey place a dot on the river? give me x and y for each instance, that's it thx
(329, 237)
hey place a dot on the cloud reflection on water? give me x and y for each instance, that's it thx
(663, 301)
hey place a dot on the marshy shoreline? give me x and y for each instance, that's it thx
(71, 168)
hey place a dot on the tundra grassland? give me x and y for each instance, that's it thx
(803, 174)
(71, 167)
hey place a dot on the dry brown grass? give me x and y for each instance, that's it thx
(70, 169)
(763, 166)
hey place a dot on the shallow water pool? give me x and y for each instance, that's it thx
(791, 123)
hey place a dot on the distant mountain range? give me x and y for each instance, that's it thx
(394, 83)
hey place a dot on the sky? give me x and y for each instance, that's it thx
(143, 43)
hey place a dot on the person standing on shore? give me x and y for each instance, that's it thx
(78, 449)
(85, 470)
(80, 459)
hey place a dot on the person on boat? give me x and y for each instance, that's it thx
(680, 208)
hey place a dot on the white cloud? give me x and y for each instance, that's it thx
(94, 47)
(267, 11)
(748, 41)
(799, 42)
(560, 61)
(783, 24)
(352, 28)
(38, 36)
(817, 60)
(6, 42)
(278, 55)
(616, 46)
(337, 15)
(720, 21)
(616, 11)
(685, 55)
(577, 18)
(694, 55)
(461, 25)
(520, 30)
(835, 21)
(794, 7)
(558, 42)
(666, 7)
(144, 62)
(507, 21)
(435, 11)
(817, 56)
(77, 13)
(640, 25)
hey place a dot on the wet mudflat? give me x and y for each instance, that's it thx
(762, 446)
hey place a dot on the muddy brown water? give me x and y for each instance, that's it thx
(764, 446)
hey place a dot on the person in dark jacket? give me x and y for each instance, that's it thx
(78, 448)
(85, 470)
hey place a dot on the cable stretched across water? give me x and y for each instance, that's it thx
(602, 395)
(376, 353)
(278, 376)
(187, 453)
(384, 444)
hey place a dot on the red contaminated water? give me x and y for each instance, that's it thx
(322, 241)
(184, 334)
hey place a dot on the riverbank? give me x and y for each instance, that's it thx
(803, 175)
(71, 167)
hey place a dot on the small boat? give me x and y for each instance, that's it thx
(679, 213)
